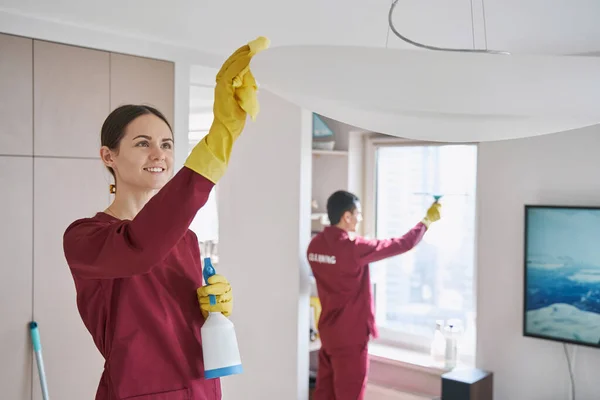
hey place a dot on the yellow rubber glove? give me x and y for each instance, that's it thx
(235, 98)
(433, 214)
(220, 287)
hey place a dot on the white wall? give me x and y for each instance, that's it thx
(556, 169)
(264, 225)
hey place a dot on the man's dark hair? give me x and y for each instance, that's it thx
(338, 203)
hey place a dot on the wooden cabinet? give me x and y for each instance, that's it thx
(141, 80)
(56, 204)
(71, 97)
(53, 101)
(16, 97)
(16, 214)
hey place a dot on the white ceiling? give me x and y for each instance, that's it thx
(537, 26)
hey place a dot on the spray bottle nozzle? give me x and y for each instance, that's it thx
(207, 272)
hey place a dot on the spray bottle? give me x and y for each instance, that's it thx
(436, 197)
(219, 342)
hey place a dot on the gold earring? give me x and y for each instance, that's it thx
(113, 189)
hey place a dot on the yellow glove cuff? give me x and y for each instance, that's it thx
(205, 162)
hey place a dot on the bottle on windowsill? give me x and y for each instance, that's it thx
(438, 344)
(452, 333)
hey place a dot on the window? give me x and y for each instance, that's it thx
(206, 222)
(435, 280)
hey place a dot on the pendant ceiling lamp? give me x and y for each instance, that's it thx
(441, 94)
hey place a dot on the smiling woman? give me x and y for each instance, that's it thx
(136, 266)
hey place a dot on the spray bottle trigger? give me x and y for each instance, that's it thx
(207, 272)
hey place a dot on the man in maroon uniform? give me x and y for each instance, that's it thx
(340, 264)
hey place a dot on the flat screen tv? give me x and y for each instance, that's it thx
(562, 274)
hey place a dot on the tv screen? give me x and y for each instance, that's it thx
(562, 274)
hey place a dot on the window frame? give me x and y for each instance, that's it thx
(372, 143)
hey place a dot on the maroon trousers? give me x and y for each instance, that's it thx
(342, 373)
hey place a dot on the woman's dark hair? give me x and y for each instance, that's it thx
(113, 128)
(338, 204)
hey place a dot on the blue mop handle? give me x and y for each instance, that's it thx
(37, 348)
(209, 271)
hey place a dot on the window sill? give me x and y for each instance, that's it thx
(406, 370)
(405, 358)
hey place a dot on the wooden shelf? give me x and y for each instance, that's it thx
(321, 217)
(330, 153)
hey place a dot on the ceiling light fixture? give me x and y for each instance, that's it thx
(450, 95)
(424, 46)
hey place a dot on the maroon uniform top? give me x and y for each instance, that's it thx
(341, 269)
(136, 287)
